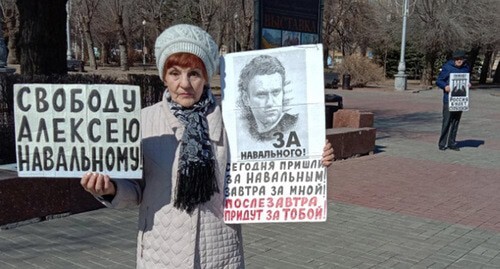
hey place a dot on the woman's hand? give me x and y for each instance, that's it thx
(328, 155)
(97, 184)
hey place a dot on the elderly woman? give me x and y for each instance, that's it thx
(184, 153)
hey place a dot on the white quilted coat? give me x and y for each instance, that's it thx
(169, 238)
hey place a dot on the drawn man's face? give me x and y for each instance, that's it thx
(265, 99)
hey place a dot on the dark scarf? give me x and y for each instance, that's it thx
(196, 181)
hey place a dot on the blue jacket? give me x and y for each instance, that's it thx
(444, 76)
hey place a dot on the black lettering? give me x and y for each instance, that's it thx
(74, 130)
(19, 99)
(110, 130)
(57, 130)
(41, 103)
(94, 95)
(293, 139)
(97, 159)
(61, 160)
(134, 156)
(110, 158)
(122, 158)
(59, 94)
(90, 132)
(42, 130)
(74, 165)
(131, 102)
(23, 157)
(110, 105)
(37, 162)
(132, 132)
(24, 130)
(279, 139)
(76, 104)
(48, 163)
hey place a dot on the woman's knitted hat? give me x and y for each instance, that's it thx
(190, 39)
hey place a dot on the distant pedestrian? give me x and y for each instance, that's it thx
(451, 119)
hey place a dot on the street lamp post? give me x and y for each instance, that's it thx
(400, 77)
(144, 43)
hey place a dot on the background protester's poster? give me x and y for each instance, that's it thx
(66, 130)
(273, 110)
(459, 93)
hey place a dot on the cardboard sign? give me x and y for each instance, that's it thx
(67, 130)
(274, 114)
(458, 97)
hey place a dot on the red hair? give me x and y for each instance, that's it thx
(185, 60)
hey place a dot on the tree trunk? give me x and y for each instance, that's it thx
(485, 68)
(123, 56)
(104, 57)
(248, 23)
(122, 44)
(428, 72)
(42, 51)
(90, 43)
(82, 46)
(249, 34)
(473, 53)
(496, 77)
(11, 19)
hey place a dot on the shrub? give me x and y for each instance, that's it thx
(361, 69)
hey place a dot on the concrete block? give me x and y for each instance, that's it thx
(352, 118)
(351, 142)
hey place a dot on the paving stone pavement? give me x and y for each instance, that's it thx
(409, 205)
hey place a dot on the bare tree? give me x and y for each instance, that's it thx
(386, 36)
(208, 10)
(350, 25)
(154, 12)
(85, 10)
(10, 16)
(244, 25)
(116, 9)
(341, 23)
(488, 38)
(103, 31)
(442, 26)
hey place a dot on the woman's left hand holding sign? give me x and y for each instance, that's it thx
(98, 184)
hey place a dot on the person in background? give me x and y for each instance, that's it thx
(451, 119)
(185, 151)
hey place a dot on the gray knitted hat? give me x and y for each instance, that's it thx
(190, 39)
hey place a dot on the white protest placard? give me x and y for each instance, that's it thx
(274, 114)
(458, 98)
(65, 130)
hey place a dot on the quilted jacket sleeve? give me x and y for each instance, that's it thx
(128, 194)
(444, 76)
